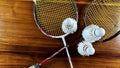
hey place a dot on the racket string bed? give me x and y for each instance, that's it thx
(106, 14)
(52, 13)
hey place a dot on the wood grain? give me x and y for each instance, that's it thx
(22, 44)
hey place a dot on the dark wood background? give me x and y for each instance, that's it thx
(22, 44)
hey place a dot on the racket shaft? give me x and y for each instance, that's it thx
(69, 58)
(50, 57)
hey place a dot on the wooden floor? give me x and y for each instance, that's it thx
(22, 44)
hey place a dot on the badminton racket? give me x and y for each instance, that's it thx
(106, 14)
(49, 15)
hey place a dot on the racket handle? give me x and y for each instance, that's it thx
(35, 66)
(50, 57)
(45, 60)
(68, 54)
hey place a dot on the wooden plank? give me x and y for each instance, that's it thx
(22, 44)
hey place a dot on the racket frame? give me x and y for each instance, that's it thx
(85, 23)
(61, 36)
(38, 23)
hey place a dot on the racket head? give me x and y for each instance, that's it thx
(106, 14)
(49, 15)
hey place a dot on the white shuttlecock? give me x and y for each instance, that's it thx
(85, 49)
(92, 33)
(69, 25)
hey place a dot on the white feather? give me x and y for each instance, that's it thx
(80, 48)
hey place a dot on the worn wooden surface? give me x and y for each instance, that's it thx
(22, 44)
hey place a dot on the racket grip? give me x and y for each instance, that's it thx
(35, 66)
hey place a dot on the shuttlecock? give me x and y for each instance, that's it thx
(69, 25)
(85, 49)
(35, 66)
(92, 33)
